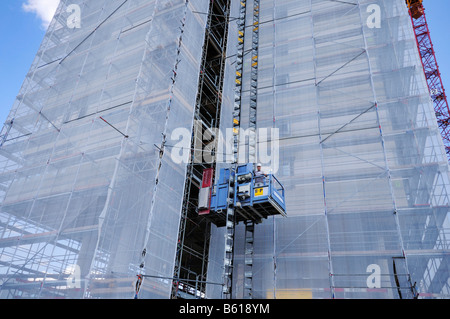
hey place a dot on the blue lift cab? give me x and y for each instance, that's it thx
(252, 201)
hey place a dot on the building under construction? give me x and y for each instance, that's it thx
(102, 197)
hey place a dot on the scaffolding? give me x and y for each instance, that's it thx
(79, 199)
(193, 237)
(361, 156)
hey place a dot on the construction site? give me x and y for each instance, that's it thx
(229, 149)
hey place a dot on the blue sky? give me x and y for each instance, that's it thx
(21, 33)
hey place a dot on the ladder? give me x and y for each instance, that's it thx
(230, 218)
(253, 85)
(252, 158)
(248, 259)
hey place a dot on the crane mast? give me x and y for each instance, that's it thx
(431, 68)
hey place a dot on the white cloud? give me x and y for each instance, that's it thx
(44, 9)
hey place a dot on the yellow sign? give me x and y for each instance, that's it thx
(290, 294)
(259, 192)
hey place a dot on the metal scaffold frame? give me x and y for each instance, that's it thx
(228, 259)
(251, 155)
(194, 231)
(366, 61)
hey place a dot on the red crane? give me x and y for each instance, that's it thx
(431, 68)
